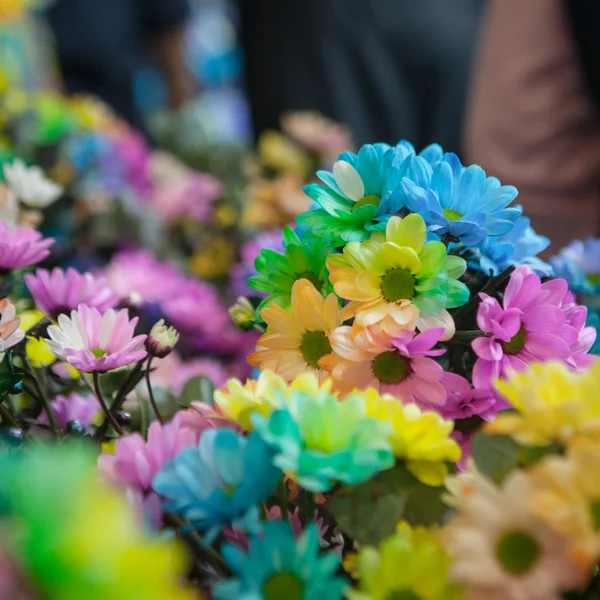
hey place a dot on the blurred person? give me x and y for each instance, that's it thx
(387, 68)
(531, 119)
(103, 44)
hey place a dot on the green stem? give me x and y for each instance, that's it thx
(7, 417)
(29, 371)
(283, 499)
(310, 505)
(151, 393)
(107, 412)
(461, 337)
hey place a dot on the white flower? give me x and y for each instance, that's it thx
(500, 550)
(162, 339)
(30, 185)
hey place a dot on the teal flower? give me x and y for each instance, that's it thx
(278, 567)
(319, 440)
(301, 259)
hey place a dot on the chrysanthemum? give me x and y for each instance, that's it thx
(57, 291)
(463, 402)
(579, 264)
(500, 549)
(552, 405)
(10, 334)
(301, 259)
(31, 185)
(398, 365)
(21, 247)
(73, 407)
(400, 281)
(408, 565)
(220, 482)
(278, 566)
(361, 193)
(96, 343)
(297, 340)
(460, 201)
(319, 440)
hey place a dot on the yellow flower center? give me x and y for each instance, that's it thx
(516, 343)
(374, 200)
(98, 353)
(596, 514)
(314, 346)
(452, 215)
(405, 594)
(311, 277)
(398, 284)
(390, 367)
(517, 552)
(283, 585)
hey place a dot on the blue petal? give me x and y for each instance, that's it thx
(367, 166)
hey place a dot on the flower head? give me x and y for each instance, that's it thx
(96, 343)
(242, 314)
(579, 264)
(463, 402)
(400, 281)
(161, 339)
(30, 185)
(10, 334)
(21, 247)
(56, 292)
(73, 407)
(279, 566)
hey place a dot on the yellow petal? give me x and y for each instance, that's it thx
(410, 231)
(398, 257)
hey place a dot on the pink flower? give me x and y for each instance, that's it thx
(21, 247)
(59, 291)
(462, 401)
(173, 373)
(465, 441)
(529, 326)
(72, 408)
(96, 343)
(200, 417)
(134, 156)
(10, 334)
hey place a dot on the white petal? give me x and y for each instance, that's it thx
(348, 180)
(438, 319)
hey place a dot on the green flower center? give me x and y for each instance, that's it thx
(390, 367)
(314, 346)
(452, 215)
(516, 343)
(517, 552)
(405, 594)
(98, 353)
(311, 277)
(229, 490)
(374, 200)
(283, 585)
(398, 284)
(596, 515)
(594, 278)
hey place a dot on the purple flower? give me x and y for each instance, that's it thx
(462, 401)
(73, 407)
(57, 291)
(21, 247)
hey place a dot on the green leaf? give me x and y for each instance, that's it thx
(198, 389)
(495, 455)
(424, 505)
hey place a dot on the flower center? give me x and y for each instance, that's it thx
(517, 552)
(596, 515)
(229, 490)
(314, 346)
(283, 585)
(516, 343)
(594, 278)
(390, 367)
(98, 353)
(311, 277)
(374, 200)
(452, 215)
(398, 284)
(405, 594)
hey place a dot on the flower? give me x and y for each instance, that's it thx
(552, 405)
(297, 340)
(220, 482)
(361, 193)
(301, 259)
(579, 264)
(422, 439)
(30, 185)
(319, 440)
(96, 343)
(278, 566)
(459, 201)
(9, 207)
(500, 549)
(21, 247)
(463, 402)
(398, 365)
(73, 407)
(399, 282)
(57, 291)
(200, 417)
(10, 334)
(409, 564)
(242, 314)
(161, 339)
(280, 153)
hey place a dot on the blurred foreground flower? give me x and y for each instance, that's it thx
(21, 247)
(30, 185)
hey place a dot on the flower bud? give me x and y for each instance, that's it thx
(242, 314)
(161, 340)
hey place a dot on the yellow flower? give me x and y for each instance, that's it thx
(421, 438)
(214, 259)
(29, 318)
(279, 153)
(410, 565)
(237, 401)
(553, 404)
(297, 340)
(39, 353)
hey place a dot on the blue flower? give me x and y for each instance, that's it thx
(277, 567)
(220, 482)
(362, 192)
(579, 264)
(459, 201)
(572, 273)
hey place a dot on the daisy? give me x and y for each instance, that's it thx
(10, 334)
(96, 343)
(296, 341)
(21, 247)
(30, 185)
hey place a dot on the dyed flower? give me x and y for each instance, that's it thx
(30, 185)
(319, 440)
(579, 264)
(21, 247)
(56, 292)
(401, 282)
(10, 334)
(460, 202)
(38, 352)
(361, 193)
(199, 417)
(409, 564)
(278, 566)
(400, 365)
(500, 549)
(301, 259)
(73, 407)
(220, 482)
(296, 341)
(242, 314)
(552, 405)
(279, 153)
(96, 343)
(161, 340)
(463, 402)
